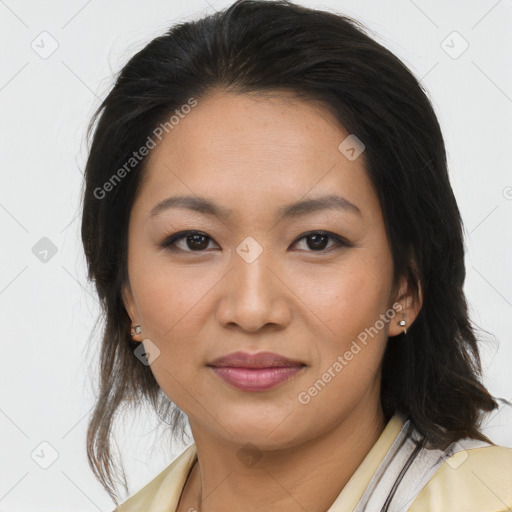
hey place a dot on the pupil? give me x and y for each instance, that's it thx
(194, 242)
(318, 241)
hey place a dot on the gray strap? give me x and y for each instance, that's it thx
(405, 470)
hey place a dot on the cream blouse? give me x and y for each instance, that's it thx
(397, 474)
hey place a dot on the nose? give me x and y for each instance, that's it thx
(254, 296)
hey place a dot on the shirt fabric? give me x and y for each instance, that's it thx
(399, 474)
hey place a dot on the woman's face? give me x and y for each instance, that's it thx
(310, 282)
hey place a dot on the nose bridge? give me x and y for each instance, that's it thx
(253, 276)
(254, 296)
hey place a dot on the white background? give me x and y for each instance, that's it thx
(48, 308)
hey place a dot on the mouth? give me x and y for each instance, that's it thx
(255, 372)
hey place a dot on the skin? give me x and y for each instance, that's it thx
(254, 153)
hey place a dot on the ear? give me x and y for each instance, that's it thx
(131, 309)
(407, 306)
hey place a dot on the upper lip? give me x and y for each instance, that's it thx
(258, 360)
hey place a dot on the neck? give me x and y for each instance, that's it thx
(308, 476)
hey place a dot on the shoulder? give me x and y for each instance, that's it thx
(163, 492)
(474, 480)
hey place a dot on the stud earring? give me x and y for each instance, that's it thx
(403, 323)
(137, 329)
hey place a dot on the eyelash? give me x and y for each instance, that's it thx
(168, 243)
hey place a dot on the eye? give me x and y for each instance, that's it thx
(318, 241)
(191, 241)
(197, 241)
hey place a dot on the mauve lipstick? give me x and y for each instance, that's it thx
(255, 372)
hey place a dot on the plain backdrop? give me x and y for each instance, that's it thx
(58, 61)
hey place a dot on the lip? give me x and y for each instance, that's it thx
(255, 372)
(258, 360)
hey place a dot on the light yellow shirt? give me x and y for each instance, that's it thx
(477, 479)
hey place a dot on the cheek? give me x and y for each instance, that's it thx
(171, 300)
(350, 301)
(351, 304)
(348, 298)
(175, 307)
(172, 317)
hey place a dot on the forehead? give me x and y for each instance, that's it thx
(252, 149)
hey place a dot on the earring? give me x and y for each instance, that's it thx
(403, 323)
(137, 329)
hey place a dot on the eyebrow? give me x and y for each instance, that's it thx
(207, 207)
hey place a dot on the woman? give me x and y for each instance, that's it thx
(270, 226)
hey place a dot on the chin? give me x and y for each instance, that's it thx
(269, 432)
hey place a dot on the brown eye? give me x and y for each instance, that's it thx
(317, 241)
(197, 242)
(187, 241)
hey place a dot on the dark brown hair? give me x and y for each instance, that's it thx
(433, 373)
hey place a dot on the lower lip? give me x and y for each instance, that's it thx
(256, 379)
